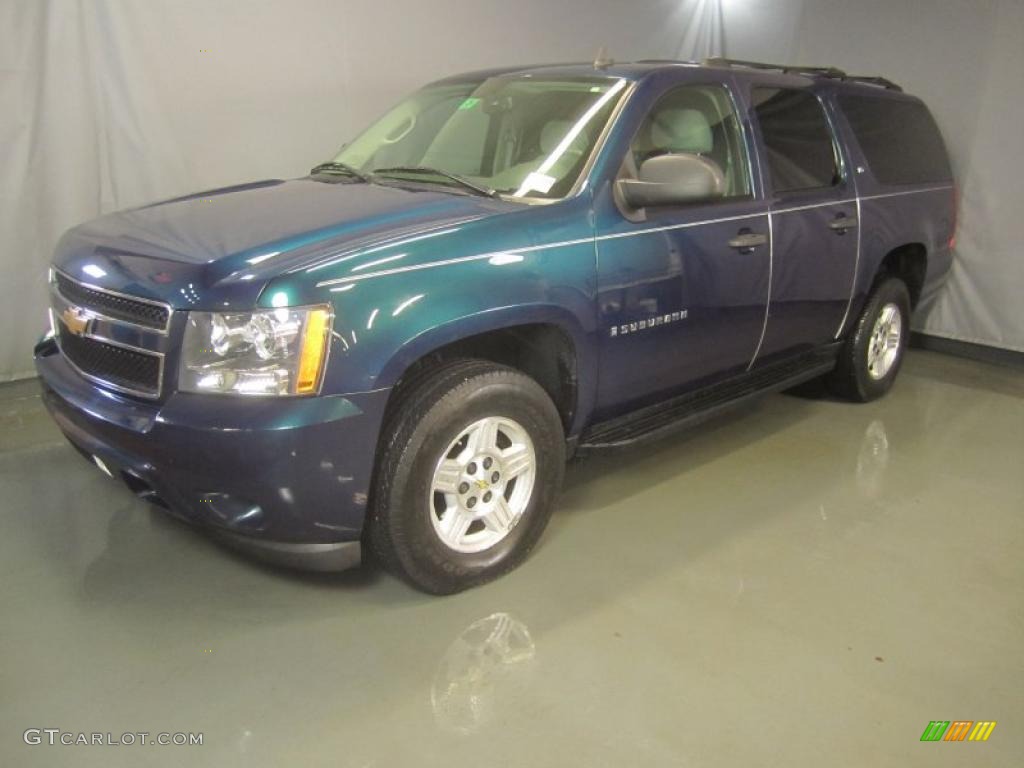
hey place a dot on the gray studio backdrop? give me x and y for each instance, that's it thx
(113, 103)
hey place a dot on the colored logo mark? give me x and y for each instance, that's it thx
(958, 730)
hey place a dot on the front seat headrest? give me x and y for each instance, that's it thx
(682, 130)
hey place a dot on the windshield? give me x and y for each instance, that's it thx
(521, 136)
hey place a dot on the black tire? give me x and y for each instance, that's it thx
(425, 420)
(851, 377)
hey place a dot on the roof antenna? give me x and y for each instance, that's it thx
(602, 61)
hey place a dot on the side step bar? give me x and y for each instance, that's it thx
(660, 419)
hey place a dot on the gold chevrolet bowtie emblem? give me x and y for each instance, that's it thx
(75, 320)
(483, 485)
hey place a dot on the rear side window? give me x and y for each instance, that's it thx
(798, 140)
(899, 138)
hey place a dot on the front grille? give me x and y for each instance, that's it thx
(114, 305)
(125, 369)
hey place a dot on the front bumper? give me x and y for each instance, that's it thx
(286, 478)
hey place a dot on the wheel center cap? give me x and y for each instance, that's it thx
(483, 485)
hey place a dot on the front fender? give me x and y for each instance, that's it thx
(385, 324)
(537, 265)
(453, 330)
(432, 339)
(389, 339)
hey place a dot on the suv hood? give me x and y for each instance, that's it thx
(237, 238)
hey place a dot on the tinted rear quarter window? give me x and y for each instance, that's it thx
(798, 140)
(899, 139)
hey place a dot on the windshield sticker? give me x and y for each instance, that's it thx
(469, 103)
(540, 182)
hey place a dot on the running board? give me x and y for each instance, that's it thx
(660, 419)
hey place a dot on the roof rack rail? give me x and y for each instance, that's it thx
(792, 69)
(785, 68)
(872, 80)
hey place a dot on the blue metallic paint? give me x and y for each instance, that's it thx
(291, 471)
(895, 216)
(647, 270)
(409, 269)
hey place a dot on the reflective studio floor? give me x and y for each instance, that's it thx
(804, 582)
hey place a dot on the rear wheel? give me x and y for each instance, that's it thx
(872, 355)
(467, 482)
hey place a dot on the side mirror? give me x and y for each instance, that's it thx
(673, 180)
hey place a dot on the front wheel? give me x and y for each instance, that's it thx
(468, 478)
(871, 356)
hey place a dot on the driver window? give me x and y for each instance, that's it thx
(699, 120)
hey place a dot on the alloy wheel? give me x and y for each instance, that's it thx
(884, 345)
(482, 484)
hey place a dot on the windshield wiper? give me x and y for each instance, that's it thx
(345, 168)
(480, 189)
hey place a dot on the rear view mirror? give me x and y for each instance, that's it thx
(673, 180)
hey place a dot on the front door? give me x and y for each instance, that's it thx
(681, 300)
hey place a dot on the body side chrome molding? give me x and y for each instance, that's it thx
(687, 225)
(532, 248)
(456, 260)
(613, 236)
(942, 188)
(814, 205)
(858, 198)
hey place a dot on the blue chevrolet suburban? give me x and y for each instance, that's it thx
(400, 350)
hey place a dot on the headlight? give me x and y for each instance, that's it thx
(266, 352)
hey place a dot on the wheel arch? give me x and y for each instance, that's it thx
(908, 262)
(546, 342)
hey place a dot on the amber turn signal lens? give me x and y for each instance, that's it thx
(314, 351)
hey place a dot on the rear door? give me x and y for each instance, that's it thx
(814, 218)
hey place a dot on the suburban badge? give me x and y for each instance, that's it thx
(646, 324)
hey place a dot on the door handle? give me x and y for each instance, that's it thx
(747, 241)
(842, 224)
